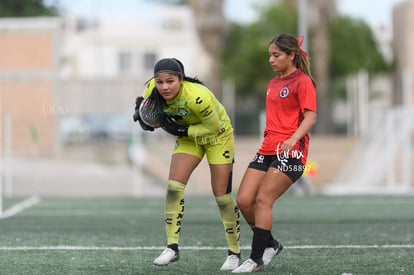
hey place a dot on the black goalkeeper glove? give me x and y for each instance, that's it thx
(171, 127)
(136, 116)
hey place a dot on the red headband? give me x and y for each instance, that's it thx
(300, 40)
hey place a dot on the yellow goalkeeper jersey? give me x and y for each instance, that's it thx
(197, 107)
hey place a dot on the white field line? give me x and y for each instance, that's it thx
(20, 206)
(138, 248)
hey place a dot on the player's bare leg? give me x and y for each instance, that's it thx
(246, 198)
(246, 195)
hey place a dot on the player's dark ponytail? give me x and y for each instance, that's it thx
(187, 78)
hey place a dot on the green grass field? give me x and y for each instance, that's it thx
(322, 235)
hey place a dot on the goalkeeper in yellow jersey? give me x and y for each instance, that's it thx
(202, 127)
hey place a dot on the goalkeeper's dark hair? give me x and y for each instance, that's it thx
(288, 44)
(174, 66)
(187, 78)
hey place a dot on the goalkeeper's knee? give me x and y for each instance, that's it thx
(174, 201)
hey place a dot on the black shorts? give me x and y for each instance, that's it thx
(291, 167)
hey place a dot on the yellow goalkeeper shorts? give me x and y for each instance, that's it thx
(219, 149)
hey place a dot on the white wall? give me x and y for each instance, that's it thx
(93, 52)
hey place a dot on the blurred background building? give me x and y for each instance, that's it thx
(106, 64)
(29, 66)
(403, 42)
(95, 70)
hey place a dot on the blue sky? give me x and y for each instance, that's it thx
(374, 12)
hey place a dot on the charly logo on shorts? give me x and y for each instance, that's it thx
(284, 92)
(259, 158)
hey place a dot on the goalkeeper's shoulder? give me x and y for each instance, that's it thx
(150, 85)
(197, 95)
(196, 87)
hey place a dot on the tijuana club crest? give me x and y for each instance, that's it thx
(284, 92)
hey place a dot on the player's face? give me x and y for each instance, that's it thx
(280, 61)
(168, 85)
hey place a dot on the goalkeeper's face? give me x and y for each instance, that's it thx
(168, 85)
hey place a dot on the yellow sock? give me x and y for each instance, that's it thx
(230, 217)
(174, 211)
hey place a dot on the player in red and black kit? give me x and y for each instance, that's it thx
(281, 159)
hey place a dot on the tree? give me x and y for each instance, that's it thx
(245, 54)
(354, 48)
(325, 12)
(211, 28)
(26, 8)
